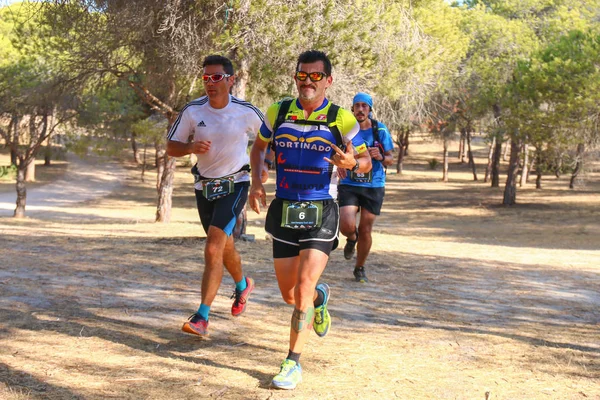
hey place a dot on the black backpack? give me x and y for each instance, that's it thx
(375, 128)
(331, 117)
(376, 141)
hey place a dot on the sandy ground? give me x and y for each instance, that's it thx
(467, 299)
(83, 182)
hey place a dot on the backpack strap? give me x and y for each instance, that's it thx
(332, 125)
(375, 128)
(331, 121)
(284, 107)
(282, 113)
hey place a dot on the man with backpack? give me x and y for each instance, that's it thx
(364, 192)
(308, 134)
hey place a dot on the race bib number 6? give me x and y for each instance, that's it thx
(302, 214)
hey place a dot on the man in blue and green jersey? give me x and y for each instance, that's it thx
(308, 134)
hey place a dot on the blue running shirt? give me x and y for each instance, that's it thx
(302, 173)
(378, 172)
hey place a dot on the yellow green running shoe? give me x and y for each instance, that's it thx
(322, 321)
(289, 376)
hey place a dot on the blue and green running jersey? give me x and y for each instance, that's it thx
(302, 173)
(378, 171)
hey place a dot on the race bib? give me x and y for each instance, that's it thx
(302, 214)
(361, 178)
(214, 189)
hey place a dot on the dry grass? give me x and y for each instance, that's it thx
(466, 297)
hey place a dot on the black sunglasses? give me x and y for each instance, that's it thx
(314, 76)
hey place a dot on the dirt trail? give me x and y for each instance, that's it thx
(466, 298)
(83, 181)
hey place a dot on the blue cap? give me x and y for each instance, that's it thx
(363, 98)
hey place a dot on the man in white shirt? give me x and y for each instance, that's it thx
(221, 126)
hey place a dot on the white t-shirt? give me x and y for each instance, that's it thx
(228, 128)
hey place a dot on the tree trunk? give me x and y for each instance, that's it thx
(144, 160)
(578, 165)
(488, 168)
(160, 158)
(445, 173)
(400, 160)
(505, 154)
(499, 135)
(461, 146)
(558, 166)
(538, 168)
(510, 190)
(525, 170)
(165, 190)
(14, 122)
(530, 168)
(48, 152)
(402, 142)
(470, 153)
(30, 170)
(237, 54)
(241, 79)
(134, 148)
(21, 191)
(496, 163)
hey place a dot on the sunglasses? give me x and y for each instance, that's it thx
(314, 76)
(214, 77)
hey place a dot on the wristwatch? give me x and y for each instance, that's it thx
(356, 167)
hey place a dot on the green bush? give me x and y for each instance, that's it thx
(433, 163)
(8, 172)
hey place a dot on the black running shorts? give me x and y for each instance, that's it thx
(222, 213)
(288, 242)
(371, 199)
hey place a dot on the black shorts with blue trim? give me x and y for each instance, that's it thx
(288, 242)
(371, 199)
(222, 213)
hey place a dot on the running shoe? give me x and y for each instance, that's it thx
(196, 325)
(322, 321)
(360, 275)
(350, 247)
(289, 376)
(241, 297)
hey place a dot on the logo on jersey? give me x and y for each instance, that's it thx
(303, 143)
(280, 159)
(308, 186)
(304, 169)
(321, 117)
(201, 123)
(284, 184)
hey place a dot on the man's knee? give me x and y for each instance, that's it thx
(365, 228)
(347, 223)
(215, 243)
